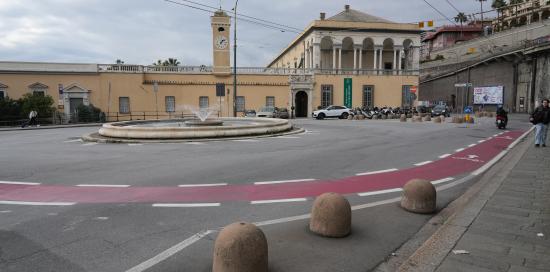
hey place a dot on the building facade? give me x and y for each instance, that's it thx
(351, 59)
(524, 13)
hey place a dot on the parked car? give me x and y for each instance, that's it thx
(249, 113)
(282, 113)
(441, 110)
(332, 111)
(266, 111)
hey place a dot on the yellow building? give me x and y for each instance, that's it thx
(351, 59)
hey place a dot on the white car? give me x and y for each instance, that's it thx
(266, 111)
(332, 111)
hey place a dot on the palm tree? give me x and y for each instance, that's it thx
(119, 61)
(171, 62)
(481, 3)
(461, 18)
(158, 63)
(499, 6)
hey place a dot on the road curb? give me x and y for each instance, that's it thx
(427, 249)
(50, 127)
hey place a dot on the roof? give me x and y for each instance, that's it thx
(466, 28)
(352, 15)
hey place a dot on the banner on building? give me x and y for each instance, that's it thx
(347, 92)
(489, 95)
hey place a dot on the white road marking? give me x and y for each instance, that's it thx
(481, 141)
(101, 218)
(169, 252)
(135, 144)
(194, 143)
(281, 181)
(444, 156)
(422, 163)
(202, 185)
(380, 192)
(37, 203)
(185, 205)
(18, 183)
(495, 135)
(6, 211)
(441, 180)
(472, 145)
(89, 144)
(287, 137)
(377, 172)
(246, 141)
(489, 138)
(103, 185)
(73, 141)
(459, 150)
(278, 200)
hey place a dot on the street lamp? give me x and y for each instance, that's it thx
(235, 60)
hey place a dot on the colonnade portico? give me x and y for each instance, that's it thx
(401, 56)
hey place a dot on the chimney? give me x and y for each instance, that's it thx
(347, 8)
(322, 15)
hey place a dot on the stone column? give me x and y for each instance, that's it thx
(375, 61)
(416, 58)
(306, 59)
(340, 58)
(394, 64)
(333, 58)
(360, 58)
(354, 58)
(316, 55)
(380, 57)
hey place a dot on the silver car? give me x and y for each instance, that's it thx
(268, 112)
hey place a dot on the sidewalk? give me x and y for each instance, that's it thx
(503, 226)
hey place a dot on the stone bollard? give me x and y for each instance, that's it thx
(442, 118)
(350, 117)
(331, 216)
(240, 247)
(419, 196)
(403, 118)
(428, 118)
(437, 119)
(409, 115)
(417, 118)
(361, 117)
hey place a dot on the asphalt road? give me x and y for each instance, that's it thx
(121, 236)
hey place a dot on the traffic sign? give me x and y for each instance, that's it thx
(413, 89)
(468, 109)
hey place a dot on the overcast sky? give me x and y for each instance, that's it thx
(142, 31)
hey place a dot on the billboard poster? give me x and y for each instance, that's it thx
(489, 95)
(347, 92)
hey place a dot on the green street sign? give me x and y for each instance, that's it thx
(347, 92)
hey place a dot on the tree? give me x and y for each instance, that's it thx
(461, 18)
(499, 6)
(119, 61)
(481, 3)
(515, 3)
(167, 62)
(43, 104)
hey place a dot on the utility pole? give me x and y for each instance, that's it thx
(235, 60)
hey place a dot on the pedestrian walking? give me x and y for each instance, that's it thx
(32, 119)
(540, 118)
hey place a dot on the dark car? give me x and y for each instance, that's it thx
(282, 113)
(441, 110)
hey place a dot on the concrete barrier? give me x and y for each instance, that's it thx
(330, 216)
(419, 196)
(240, 247)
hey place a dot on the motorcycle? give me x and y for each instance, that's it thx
(501, 122)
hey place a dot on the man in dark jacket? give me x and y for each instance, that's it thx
(540, 118)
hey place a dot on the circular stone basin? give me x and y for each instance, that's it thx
(179, 129)
(205, 123)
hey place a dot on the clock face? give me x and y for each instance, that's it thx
(221, 42)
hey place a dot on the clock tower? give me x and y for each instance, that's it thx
(221, 24)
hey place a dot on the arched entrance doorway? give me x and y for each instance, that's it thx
(300, 103)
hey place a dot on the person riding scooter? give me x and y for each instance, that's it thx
(502, 115)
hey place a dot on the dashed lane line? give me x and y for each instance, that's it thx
(4, 202)
(104, 185)
(459, 150)
(423, 163)
(185, 205)
(73, 141)
(246, 141)
(472, 145)
(444, 156)
(194, 143)
(442, 180)
(89, 144)
(278, 201)
(380, 192)
(376, 172)
(135, 144)
(282, 181)
(19, 183)
(287, 137)
(481, 141)
(202, 185)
